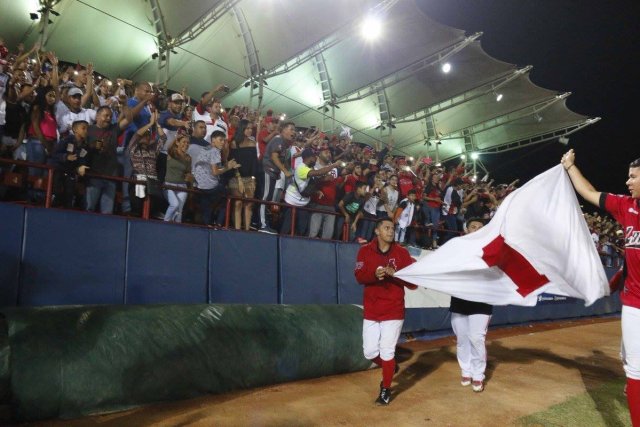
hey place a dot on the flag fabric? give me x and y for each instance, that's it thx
(537, 241)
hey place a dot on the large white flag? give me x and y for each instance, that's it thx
(538, 241)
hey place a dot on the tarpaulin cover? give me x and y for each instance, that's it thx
(73, 361)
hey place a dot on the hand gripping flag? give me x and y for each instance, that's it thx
(538, 241)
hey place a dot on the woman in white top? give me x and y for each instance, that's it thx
(391, 194)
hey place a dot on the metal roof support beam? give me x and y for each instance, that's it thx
(325, 86)
(512, 116)
(467, 96)
(385, 114)
(537, 139)
(408, 71)
(46, 6)
(165, 42)
(252, 54)
(530, 110)
(208, 19)
(161, 41)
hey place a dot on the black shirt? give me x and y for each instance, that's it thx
(462, 306)
(103, 144)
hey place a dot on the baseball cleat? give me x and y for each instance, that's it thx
(465, 381)
(477, 386)
(385, 396)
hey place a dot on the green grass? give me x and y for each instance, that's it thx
(604, 406)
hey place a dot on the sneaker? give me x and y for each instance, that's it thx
(385, 396)
(268, 230)
(465, 381)
(477, 386)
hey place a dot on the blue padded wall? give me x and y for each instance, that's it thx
(72, 258)
(307, 271)
(11, 229)
(243, 268)
(349, 290)
(166, 263)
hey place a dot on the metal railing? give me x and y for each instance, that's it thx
(36, 182)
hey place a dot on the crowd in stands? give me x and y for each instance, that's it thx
(92, 129)
(608, 237)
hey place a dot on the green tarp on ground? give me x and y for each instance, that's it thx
(69, 362)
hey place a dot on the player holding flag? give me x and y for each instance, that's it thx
(626, 210)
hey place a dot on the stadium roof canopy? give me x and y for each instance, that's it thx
(309, 60)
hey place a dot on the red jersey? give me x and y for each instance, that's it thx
(262, 144)
(626, 211)
(350, 182)
(405, 183)
(328, 188)
(383, 299)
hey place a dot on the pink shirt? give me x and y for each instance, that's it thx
(48, 127)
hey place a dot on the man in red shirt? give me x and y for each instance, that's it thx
(351, 179)
(626, 210)
(324, 199)
(376, 264)
(267, 131)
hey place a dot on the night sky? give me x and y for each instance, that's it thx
(590, 48)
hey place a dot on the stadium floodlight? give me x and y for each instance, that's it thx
(563, 140)
(371, 28)
(475, 156)
(463, 156)
(283, 116)
(498, 97)
(446, 67)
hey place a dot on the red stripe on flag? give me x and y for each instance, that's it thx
(498, 253)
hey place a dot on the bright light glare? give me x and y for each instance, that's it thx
(499, 97)
(411, 159)
(475, 156)
(463, 157)
(438, 164)
(475, 178)
(371, 28)
(446, 67)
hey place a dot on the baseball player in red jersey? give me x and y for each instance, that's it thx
(626, 210)
(383, 300)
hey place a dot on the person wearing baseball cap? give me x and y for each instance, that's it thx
(171, 122)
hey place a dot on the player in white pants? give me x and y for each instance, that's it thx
(470, 321)
(626, 210)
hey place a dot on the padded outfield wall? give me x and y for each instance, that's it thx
(61, 257)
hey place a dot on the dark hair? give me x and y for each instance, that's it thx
(41, 102)
(480, 220)
(381, 220)
(238, 137)
(140, 84)
(173, 150)
(199, 121)
(218, 134)
(360, 184)
(104, 107)
(635, 164)
(412, 191)
(283, 125)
